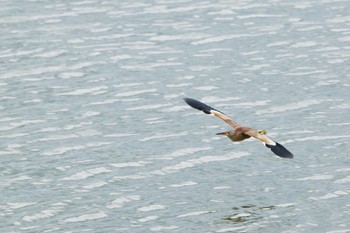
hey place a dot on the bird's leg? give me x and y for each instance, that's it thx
(262, 132)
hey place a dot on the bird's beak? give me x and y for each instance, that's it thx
(222, 133)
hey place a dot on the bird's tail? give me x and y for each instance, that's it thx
(280, 150)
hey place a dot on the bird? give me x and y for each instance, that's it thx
(241, 132)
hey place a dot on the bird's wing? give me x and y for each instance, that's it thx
(209, 110)
(264, 139)
(275, 147)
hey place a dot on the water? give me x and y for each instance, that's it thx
(95, 136)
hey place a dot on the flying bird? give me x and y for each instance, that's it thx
(240, 131)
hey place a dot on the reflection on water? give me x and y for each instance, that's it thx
(247, 213)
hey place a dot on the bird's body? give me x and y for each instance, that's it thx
(241, 132)
(236, 135)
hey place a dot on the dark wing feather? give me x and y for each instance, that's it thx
(209, 110)
(199, 105)
(280, 150)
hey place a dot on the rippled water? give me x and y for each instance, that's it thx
(95, 136)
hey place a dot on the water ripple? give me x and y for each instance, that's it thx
(86, 217)
(88, 173)
(121, 201)
(95, 134)
(288, 107)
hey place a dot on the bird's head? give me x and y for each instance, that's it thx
(262, 132)
(223, 133)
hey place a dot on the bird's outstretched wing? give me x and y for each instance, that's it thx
(209, 110)
(275, 147)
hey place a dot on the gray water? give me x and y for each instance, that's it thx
(95, 136)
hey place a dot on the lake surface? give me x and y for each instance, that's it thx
(95, 136)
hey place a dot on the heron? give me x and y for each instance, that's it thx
(241, 132)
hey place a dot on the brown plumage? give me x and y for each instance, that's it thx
(241, 132)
